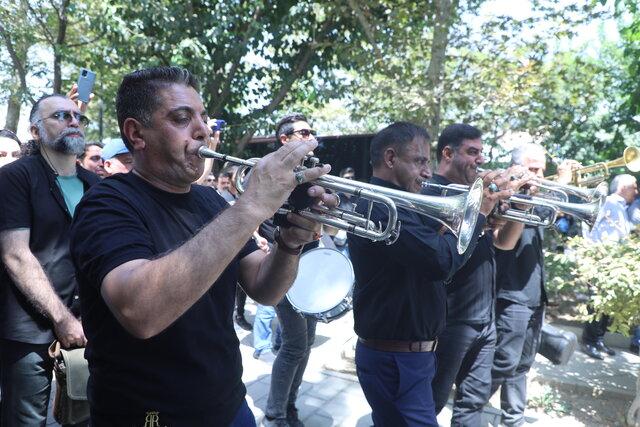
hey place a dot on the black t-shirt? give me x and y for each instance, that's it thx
(194, 365)
(32, 199)
(520, 271)
(399, 292)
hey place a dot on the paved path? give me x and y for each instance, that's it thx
(329, 397)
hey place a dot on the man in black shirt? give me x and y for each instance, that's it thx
(37, 278)
(465, 348)
(158, 260)
(520, 304)
(399, 301)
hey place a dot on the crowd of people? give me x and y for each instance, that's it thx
(134, 249)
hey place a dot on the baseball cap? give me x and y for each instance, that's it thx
(114, 147)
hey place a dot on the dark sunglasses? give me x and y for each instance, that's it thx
(66, 116)
(304, 132)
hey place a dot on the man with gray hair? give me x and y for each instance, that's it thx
(37, 279)
(520, 292)
(613, 223)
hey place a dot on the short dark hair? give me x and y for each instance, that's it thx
(86, 147)
(137, 96)
(285, 124)
(6, 133)
(396, 136)
(347, 170)
(454, 134)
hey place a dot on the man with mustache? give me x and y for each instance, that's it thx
(37, 279)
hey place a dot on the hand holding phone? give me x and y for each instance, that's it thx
(86, 79)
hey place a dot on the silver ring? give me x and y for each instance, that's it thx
(493, 188)
(299, 177)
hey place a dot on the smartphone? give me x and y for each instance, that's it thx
(219, 126)
(86, 79)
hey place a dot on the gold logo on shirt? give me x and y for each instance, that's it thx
(152, 419)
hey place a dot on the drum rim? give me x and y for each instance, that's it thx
(344, 299)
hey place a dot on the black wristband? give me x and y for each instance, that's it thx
(283, 247)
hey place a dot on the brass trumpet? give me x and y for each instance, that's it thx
(459, 213)
(630, 158)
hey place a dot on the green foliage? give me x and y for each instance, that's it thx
(550, 401)
(610, 269)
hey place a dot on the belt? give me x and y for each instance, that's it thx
(396, 346)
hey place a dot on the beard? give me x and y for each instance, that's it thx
(64, 143)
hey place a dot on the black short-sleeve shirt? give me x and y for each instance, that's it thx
(31, 198)
(192, 366)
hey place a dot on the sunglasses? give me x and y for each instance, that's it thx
(67, 116)
(304, 132)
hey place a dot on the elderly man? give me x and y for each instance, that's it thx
(399, 299)
(521, 297)
(613, 223)
(158, 260)
(465, 349)
(37, 279)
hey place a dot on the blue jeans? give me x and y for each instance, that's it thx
(397, 386)
(26, 371)
(465, 358)
(262, 329)
(518, 329)
(298, 335)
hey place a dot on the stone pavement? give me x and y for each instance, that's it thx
(331, 396)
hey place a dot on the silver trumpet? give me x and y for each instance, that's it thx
(459, 213)
(565, 190)
(587, 212)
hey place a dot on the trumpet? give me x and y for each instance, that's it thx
(587, 212)
(566, 190)
(459, 214)
(630, 158)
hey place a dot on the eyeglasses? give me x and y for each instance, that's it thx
(67, 116)
(304, 132)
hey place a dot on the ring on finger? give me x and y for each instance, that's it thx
(299, 177)
(493, 188)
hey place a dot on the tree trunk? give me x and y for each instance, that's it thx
(445, 12)
(13, 112)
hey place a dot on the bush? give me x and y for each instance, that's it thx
(611, 271)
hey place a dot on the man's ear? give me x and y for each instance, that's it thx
(35, 132)
(106, 165)
(389, 157)
(448, 153)
(283, 139)
(134, 131)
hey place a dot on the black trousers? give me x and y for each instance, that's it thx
(594, 331)
(241, 299)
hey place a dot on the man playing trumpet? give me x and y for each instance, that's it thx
(399, 300)
(465, 348)
(158, 260)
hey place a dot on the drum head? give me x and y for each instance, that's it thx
(325, 277)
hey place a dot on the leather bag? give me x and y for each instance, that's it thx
(70, 405)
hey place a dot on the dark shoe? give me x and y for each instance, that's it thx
(592, 351)
(256, 355)
(242, 322)
(604, 348)
(292, 417)
(633, 348)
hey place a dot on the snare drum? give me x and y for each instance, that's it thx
(322, 290)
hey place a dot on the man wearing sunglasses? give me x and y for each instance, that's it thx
(298, 332)
(37, 279)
